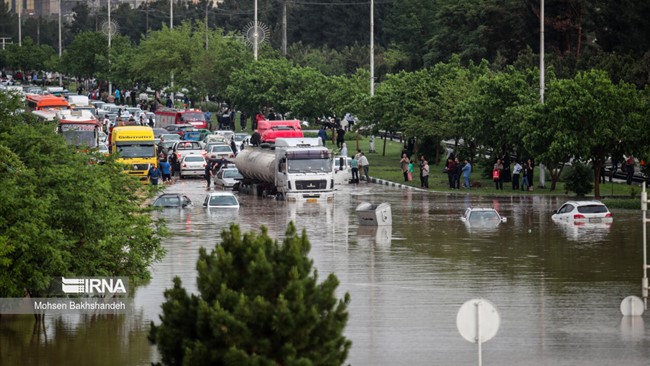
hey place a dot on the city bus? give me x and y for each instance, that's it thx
(136, 148)
(80, 128)
(169, 116)
(37, 102)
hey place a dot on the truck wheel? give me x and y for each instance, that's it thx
(279, 197)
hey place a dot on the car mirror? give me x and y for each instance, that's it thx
(554, 212)
(504, 219)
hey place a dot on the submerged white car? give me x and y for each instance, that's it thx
(220, 200)
(583, 212)
(482, 217)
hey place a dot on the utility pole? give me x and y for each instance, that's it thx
(60, 47)
(110, 31)
(541, 52)
(206, 24)
(284, 28)
(372, 48)
(20, 23)
(171, 26)
(255, 34)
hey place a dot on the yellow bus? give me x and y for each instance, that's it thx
(136, 148)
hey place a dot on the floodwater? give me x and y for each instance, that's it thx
(557, 288)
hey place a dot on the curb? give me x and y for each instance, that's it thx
(396, 185)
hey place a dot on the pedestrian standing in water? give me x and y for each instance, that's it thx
(363, 161)
(208, 174)
(354, 164)
(154, 174)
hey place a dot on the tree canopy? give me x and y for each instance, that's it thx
(259, 303)
(63, 214)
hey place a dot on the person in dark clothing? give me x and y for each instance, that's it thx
(450, 169)
(233, 146)
(154, 174)
(242, 120)
(256, 138)
(322, 133)
(340, 137)
(629, 169)
(208, 173)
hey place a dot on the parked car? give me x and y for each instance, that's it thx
(482, 217)
(214, 139)
(218, 151)
(241, 137)
(583, 212)
(172, 200)
(158, 132)
(180, 129)
(192, 165)
(227, 134)
(227, 177)
(192, 136)
(220, 200)
(182, 148)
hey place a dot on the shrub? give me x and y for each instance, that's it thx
(580, 179)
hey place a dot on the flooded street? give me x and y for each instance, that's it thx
(557, 287)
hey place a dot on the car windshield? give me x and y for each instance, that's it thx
(223, 201)
(232, 173)
(80, 138)
(194, 159)
(168, 201)
(136, 151)
(309, 165)
(478, 217)
(592, 209)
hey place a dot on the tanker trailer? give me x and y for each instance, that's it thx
(296, 169)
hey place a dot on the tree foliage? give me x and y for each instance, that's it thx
(259, 303)
(64, 215)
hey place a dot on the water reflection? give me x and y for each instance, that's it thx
(558, 297)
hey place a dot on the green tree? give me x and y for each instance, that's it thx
(65, 215)
(259, 303)
(86, 56)
(579, 179)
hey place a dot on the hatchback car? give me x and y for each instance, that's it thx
(192, 165)
(482, 217)
(218, 151)
(220, 200)
(582, 212)
(227, 177)
(172, 200)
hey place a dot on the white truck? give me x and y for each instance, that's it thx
(295, 169)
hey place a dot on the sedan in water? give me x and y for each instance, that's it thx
(192, 165)
(220, 200)
(482, 217)
(227, 177)
(172, 200)
(583, 212)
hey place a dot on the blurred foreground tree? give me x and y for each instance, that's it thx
(259, 303)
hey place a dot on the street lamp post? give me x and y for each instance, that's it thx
(255, 33)
(372, 48)
(60, 49)
(110, 31)
(20, 23)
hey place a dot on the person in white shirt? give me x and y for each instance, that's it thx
(516, 170)
(363, 163)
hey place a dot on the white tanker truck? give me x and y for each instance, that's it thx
(295, 169)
